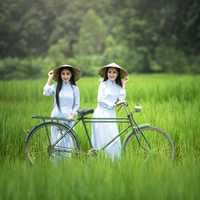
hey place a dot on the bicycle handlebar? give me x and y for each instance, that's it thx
(124, 103)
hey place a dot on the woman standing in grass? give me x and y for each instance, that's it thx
(111, 90)
(66, 98)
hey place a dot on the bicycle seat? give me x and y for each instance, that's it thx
(84, 112)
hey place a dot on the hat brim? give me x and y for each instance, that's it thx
(75, 72)
(122, 72)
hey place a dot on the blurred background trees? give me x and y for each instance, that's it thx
(141, 35)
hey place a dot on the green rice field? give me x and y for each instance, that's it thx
(171, 102)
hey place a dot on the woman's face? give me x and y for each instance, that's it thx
(112, 74)
(66, 75)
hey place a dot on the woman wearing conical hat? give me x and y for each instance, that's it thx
(66, 98)
(110, 91)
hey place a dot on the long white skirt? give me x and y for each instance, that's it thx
(66, 143)
(103, 133)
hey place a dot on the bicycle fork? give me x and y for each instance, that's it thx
(137, 131)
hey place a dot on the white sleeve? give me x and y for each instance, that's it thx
(77, 99)
(101, 92)
(101, 97)
(122, 94)
(49, 90)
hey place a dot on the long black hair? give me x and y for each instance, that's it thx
(118, 80)
(60, 82)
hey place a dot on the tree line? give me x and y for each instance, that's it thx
(144, 36)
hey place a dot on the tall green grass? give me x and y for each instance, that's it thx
(171, 102)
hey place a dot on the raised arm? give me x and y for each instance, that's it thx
(122, 94)
(49, 89)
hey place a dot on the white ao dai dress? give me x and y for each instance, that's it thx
(69, 100)
(108, 93)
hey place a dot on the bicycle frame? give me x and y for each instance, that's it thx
(128, 120)
(85, 120)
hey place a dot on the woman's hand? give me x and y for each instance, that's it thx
(71, 116)
(50, 74)
(124, 81)
(120, 103)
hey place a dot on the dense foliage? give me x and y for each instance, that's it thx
(144, 36)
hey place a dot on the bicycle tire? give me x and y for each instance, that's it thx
(156, 142)
(39, 147)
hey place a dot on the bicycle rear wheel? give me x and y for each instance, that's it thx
(150, 141)
(40, 146)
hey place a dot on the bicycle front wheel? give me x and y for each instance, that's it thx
(42, 142)
(150, 141)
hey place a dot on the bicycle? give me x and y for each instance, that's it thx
(138, 138)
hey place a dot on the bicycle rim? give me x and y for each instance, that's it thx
(150, 142)
(40, 143)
